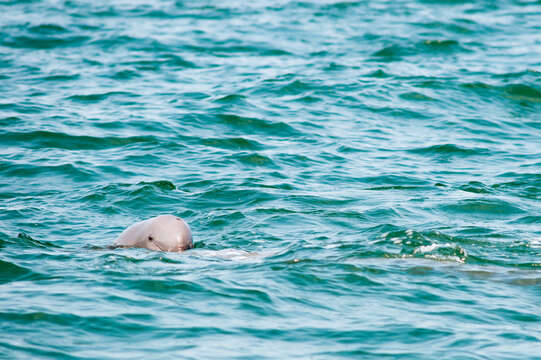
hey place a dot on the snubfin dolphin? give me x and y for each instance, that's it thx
(161, 233)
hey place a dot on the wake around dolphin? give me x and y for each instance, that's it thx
(161, 233)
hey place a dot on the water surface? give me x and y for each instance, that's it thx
(362, 179)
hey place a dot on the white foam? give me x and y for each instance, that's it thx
(426, 248)
(233, 254)
(536, 243)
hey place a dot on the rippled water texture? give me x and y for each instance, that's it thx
(362, 179)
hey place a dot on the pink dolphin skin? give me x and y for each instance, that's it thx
(161, 233)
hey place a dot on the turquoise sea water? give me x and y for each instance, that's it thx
(362, 179)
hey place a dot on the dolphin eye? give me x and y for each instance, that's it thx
(150, 238)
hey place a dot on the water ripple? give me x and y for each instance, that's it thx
(361, 178)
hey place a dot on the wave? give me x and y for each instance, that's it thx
(94, 98)
(10, 272)
(449, 150)
(41, 139)
(48, 42)
(251, 125)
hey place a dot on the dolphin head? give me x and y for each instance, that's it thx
(168, 233)
(161, 233)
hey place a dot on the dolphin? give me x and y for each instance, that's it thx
(160, 233)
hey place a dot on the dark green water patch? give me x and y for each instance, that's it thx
(23, 108)
(448, 150)
(394, 180)
(94, 98)
(475, 187)
(518, 92)
(153, 286)
(255, 160)
(125, 74)
(42, 170)
(61, 77)
(396, 52)
(238, 143)
(27, 241)
(47, 29)
(231, 99)
(234, 49)
(10, 272)
(397, 187)
(58, 140)
(415, 96)
(40, 43)
(440, 46)
(255, 125)
(297, 160)
(379, 74)
(522, 92)
(159, 184)
(483, 207)
(361, 179)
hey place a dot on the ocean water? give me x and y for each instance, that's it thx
(362, 179)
